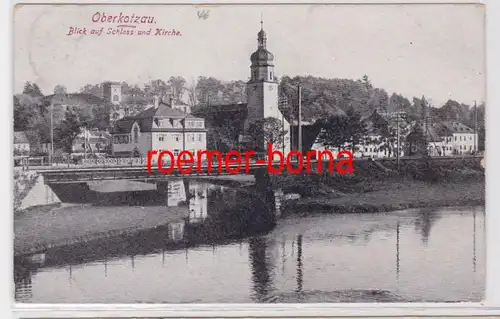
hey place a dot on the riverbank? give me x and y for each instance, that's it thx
(397, 196)
(372, 189)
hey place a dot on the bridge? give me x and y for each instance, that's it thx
(99, 171)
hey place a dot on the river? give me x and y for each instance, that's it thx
(421, 255)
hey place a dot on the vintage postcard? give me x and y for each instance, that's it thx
(249, 153)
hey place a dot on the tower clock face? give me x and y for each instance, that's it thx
(270, 88)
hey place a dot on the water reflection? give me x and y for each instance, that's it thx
(261, 272)
(424, 222)
(416, 255)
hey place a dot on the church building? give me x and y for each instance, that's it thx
(262, 93)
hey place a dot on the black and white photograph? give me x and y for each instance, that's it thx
(284, 153)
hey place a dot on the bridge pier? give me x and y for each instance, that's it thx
(162, 189)
(271, 195)
(72, 192)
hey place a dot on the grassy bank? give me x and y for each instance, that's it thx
(372, 188)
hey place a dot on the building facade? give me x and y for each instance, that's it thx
(464, 139)
(112, 92)
(91, 141)
(158, 128)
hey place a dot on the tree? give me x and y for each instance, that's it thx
(356, 128)
(66, 131)
(208, 90)
(177, 84)
(22, 115)
(265, 131)
(94, 89)
(60, 89)
(334, 131)
(398, 103)
(156, 88)
(32, 89)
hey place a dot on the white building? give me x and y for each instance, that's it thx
(160, 127)
(91, 141)
(464, 139)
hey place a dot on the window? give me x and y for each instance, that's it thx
(116, 98)
(136, 134)
(200, 137)
(470, 138)
(176, 138)
(176, 152)
(455, 138)
(271, 75)
(160, 137)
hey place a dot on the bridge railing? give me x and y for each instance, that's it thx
(142, 161)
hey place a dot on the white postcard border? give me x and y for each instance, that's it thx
(490, 307)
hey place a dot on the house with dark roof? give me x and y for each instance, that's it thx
(159, 127)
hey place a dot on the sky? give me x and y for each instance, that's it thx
(432, 50)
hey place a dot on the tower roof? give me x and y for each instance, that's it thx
(262, 57)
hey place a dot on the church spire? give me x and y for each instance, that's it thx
(261, 37)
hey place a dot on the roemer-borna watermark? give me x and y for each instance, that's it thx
(233, 162)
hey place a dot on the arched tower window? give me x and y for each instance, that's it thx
(136, 134)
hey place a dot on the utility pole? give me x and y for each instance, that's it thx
(85, 143)
(397, 141)
(475, 127)
(283, 102)
(299, 144)
(51, 133)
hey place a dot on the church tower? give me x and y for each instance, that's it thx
(262, 89)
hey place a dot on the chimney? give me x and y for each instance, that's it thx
(156, 101)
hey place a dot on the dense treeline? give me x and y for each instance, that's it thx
(321, 99)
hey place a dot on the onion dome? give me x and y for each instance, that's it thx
(262, 57)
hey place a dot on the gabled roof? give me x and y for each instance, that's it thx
(145, 118)
(20, 138)
(457, 127)
(435, 131)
